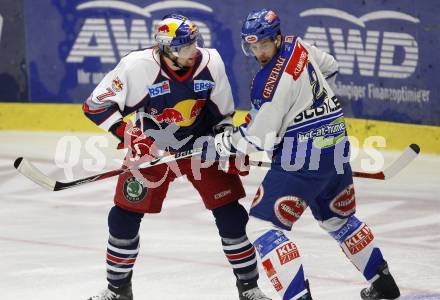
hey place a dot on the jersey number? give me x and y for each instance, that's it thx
(319, 94)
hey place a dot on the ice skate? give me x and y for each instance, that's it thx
(382, 288)
(115, 293)
(250, 291)
(309, 294)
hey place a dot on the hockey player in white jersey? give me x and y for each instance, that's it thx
(297, 117)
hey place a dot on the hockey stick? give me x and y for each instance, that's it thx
(26, 168)
(395, 167)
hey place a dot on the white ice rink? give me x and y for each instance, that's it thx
(53, 243)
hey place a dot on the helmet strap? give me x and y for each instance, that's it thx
(174, 61)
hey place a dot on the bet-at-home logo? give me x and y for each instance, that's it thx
(110, 38)
(350, 47)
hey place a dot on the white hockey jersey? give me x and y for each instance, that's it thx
(293, 103)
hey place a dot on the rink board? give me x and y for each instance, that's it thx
(69, 117)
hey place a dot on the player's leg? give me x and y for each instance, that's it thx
(355, 237)
(220, 193)
(277, 206)
(132, 199)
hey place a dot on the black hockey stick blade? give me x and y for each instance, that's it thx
(59, 185)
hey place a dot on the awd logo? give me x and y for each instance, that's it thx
(109, 38)
(375, 53)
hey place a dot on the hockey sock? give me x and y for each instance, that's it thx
(241, 255)
(123, 245)
(231, 222)
(282, 262)
(357, 242)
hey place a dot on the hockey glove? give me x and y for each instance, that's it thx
(133, 139)
(229, 160)
(222, 142)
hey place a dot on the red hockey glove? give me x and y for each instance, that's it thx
(135, 140)
(236, 164)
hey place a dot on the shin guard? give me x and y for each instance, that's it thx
(357, 242)
(282, 262)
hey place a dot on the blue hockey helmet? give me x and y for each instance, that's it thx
(259, 25)
(175, 33)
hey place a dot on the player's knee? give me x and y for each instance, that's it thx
(332, 224)
(339, 229)
(231, 220)
(257, 227)
(123, 223)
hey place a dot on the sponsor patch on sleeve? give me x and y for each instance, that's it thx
(297, 61)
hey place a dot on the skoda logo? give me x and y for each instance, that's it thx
(134, 190)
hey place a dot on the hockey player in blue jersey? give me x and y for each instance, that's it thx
(297, 117)
(174, 84)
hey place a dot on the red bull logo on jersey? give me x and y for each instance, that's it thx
(203, 85)
(159, 89)
(183, 114)
(117, 85)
